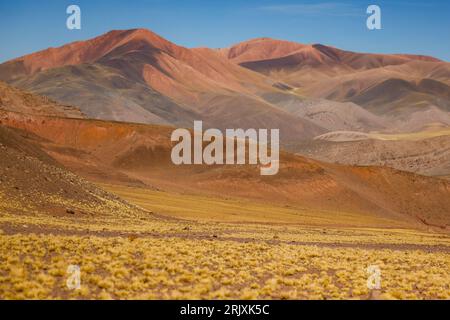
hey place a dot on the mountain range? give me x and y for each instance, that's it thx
(104, 109)
(305, 90)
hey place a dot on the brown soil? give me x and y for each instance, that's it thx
(31, 181)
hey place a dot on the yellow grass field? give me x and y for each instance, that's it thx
(204, 208)
(165, 254)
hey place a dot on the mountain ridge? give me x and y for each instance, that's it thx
(138, 76)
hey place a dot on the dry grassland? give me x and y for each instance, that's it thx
(126, 254)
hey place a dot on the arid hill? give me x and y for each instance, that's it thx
(424, 155)
(12, 99)
(402, 87)
(271, 55)
(140, 155)
(32, 182)
(137, 76)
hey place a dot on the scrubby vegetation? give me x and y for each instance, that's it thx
(34, 267)
(142, 255)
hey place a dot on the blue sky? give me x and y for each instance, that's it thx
(419, 27)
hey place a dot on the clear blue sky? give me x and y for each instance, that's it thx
(409, 26)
